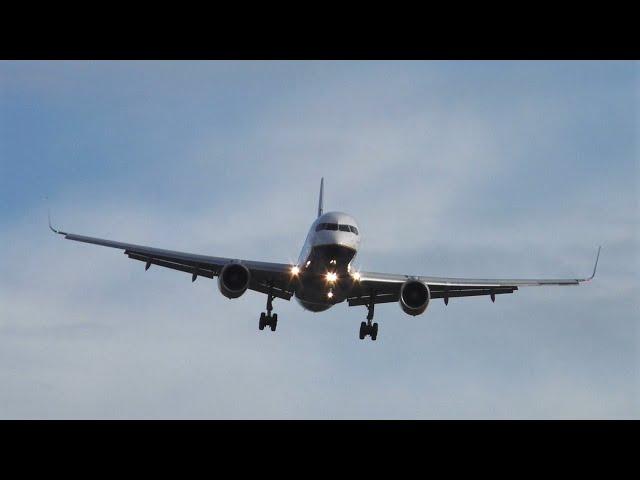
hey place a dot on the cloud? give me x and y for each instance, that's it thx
(465, 169)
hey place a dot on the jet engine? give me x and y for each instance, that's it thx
(414, 297)
(233, 280)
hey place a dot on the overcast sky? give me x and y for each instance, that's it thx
(451, 168)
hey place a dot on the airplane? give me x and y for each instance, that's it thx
(323, 276)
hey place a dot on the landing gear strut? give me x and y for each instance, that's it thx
(367, 328)
(268, 319)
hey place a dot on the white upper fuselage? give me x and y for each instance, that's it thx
(330, 237)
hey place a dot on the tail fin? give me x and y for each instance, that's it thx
(320, 199)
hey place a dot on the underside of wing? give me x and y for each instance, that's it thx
(385, 287)
(265, 276)
(384, 290)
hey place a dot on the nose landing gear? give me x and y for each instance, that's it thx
(268, 319)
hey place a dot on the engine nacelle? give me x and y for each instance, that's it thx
(233, 280)
(414, 297)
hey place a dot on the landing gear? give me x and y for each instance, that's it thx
(268, 319)
(367, 328)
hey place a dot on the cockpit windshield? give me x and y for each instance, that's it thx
(335, 226)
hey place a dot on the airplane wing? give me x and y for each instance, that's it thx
(263, 274)
(384, 287)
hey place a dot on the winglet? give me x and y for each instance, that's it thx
(320, 200)
(53, 229)
(595, 266)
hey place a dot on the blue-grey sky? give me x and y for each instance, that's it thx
(451, 168)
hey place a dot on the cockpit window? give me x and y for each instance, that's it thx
(335, 226)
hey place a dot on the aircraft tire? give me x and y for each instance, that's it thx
(374, 332)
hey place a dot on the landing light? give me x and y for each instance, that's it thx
(330, 294)
(332, 277)
(355, 276)
(295, 270)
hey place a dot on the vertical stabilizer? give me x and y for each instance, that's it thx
(320, 198)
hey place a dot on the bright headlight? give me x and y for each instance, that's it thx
(295, 270)
(355, 276)
(332, 277)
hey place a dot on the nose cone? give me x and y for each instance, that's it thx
(343, 230)
(337, 217)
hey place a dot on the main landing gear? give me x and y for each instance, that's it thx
(268, 319)
(367, 328)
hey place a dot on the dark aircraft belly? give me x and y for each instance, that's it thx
(322, 255)
(313, 306)
(313, 288)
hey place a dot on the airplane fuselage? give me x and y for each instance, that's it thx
(325, 261)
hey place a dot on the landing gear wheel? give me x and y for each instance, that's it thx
(262, 322)
(374, 332)
(363, 327)
(274, 322)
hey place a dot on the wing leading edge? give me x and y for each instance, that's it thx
(264, 275)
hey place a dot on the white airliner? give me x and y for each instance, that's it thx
(323, 275)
